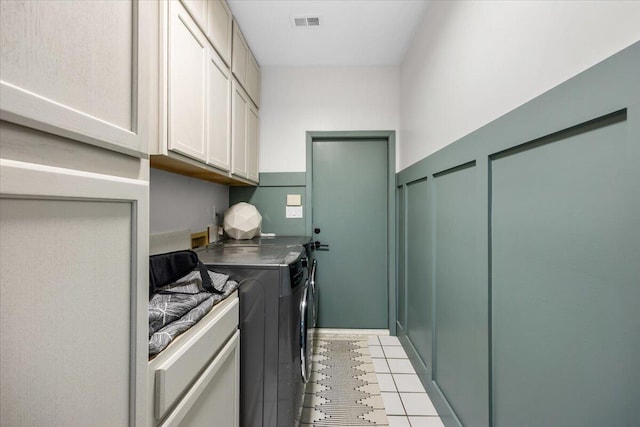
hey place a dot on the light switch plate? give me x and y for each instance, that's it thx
(294, 200)
(294, 212)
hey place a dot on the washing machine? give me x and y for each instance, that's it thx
(275, 298)
(312, 299)
(310, 247)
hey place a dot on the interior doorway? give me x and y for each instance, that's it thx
(351, 205)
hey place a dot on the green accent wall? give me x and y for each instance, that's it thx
(565, 252)
(270, 198)
(460, 296)
(518, 261)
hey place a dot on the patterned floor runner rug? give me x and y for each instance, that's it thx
(343, 389)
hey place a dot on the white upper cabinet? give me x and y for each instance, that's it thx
(198, 10)
(253, 78)
(240, 50)
(199, 94)
(244, 65)
(219, 20)
(252, 143)
(187, 83)
(204, 129)
(240, 102)
(218, 113)
(214, 19)
(244, 135)
(78, 70)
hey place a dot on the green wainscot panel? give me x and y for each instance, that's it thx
(419, 285)
(401, 283)
(565, 242)
(461, 337)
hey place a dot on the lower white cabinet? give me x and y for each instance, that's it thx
(244, 135)
(195, 381)
(214, 398)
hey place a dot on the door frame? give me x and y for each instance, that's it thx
(389, 137)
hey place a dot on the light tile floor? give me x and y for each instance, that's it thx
(405, 401)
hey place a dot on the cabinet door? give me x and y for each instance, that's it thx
(252, 143)
(219, 28)
(214, 398)
(78, 69)
(239, 131)
(218, 112)
(188, 58)
(240, 50)
(198, 10)
(73, 297)
(253, 78)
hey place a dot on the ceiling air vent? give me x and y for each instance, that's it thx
(305, 21)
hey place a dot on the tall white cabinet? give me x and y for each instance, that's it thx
(72, 297)
(88, 91)
(74, 191)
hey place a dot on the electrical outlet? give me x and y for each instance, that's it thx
(293, 212)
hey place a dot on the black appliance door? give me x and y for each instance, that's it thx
(314, 293)
(306, 338)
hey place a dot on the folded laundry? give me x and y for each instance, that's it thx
(175, 308)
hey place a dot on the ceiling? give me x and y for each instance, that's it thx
(351, 32)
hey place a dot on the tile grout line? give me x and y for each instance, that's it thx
(395, 384)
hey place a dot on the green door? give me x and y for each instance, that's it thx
(349, 202)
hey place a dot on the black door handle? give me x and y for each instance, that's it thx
(319, 245)
(316, 230)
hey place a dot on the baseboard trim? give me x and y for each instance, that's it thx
(440, 402)
(352, 331)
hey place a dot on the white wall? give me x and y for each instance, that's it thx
(178, 202)
(296, 100)
(471, 62)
